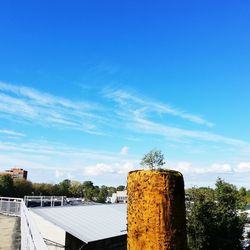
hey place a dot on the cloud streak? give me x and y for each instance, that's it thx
(147, 126)
(27, 104)
(128, 112)
(139, 116)
(11, 133)
(126, 98)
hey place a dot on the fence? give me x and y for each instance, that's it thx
(10, 206)
(31, 238)
(44, 201)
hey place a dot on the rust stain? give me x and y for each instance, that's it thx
(156, 210)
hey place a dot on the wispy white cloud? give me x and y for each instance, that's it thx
(220, 168)
(51, 150)
(145, 106)
(131, 113)
(58, 173)
(23, 103)
(49, 155)
(138, 115)
(63, 161)
(11, 133)
(120, 168)
(147, 126)
(243, 167)
(124, 150)
(43, 98)
(188, 168)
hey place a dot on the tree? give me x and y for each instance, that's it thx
(64, 187)
(45, 189)
(243, 191)
(201, 219)
(213, 218)
(6, 185)
(76, 189)
(120, 188)
(89, 190)
(111, 190)
(22, 187)
(248, 196)
(102, 195)
(56, 190)
(153, 159)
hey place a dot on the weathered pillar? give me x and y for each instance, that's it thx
(156, 210)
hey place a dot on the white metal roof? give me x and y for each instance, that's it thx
(88, 223)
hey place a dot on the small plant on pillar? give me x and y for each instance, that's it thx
(154, 160)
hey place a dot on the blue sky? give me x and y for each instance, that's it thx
(88, 87)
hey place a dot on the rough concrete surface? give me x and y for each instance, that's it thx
(10, 238)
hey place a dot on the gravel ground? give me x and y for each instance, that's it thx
(10, 238)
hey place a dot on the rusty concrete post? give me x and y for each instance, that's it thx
(156, 210)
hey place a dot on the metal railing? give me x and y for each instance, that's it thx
(44, 201)
(10, 206)
(31, 238)
(54, 244)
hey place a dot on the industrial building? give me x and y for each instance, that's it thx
(88, 227)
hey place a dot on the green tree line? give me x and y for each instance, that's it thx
(19, 188)
(215, 217)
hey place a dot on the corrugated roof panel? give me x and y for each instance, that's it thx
(88, 223)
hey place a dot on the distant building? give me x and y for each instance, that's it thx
(119, 197)
(16, 173)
